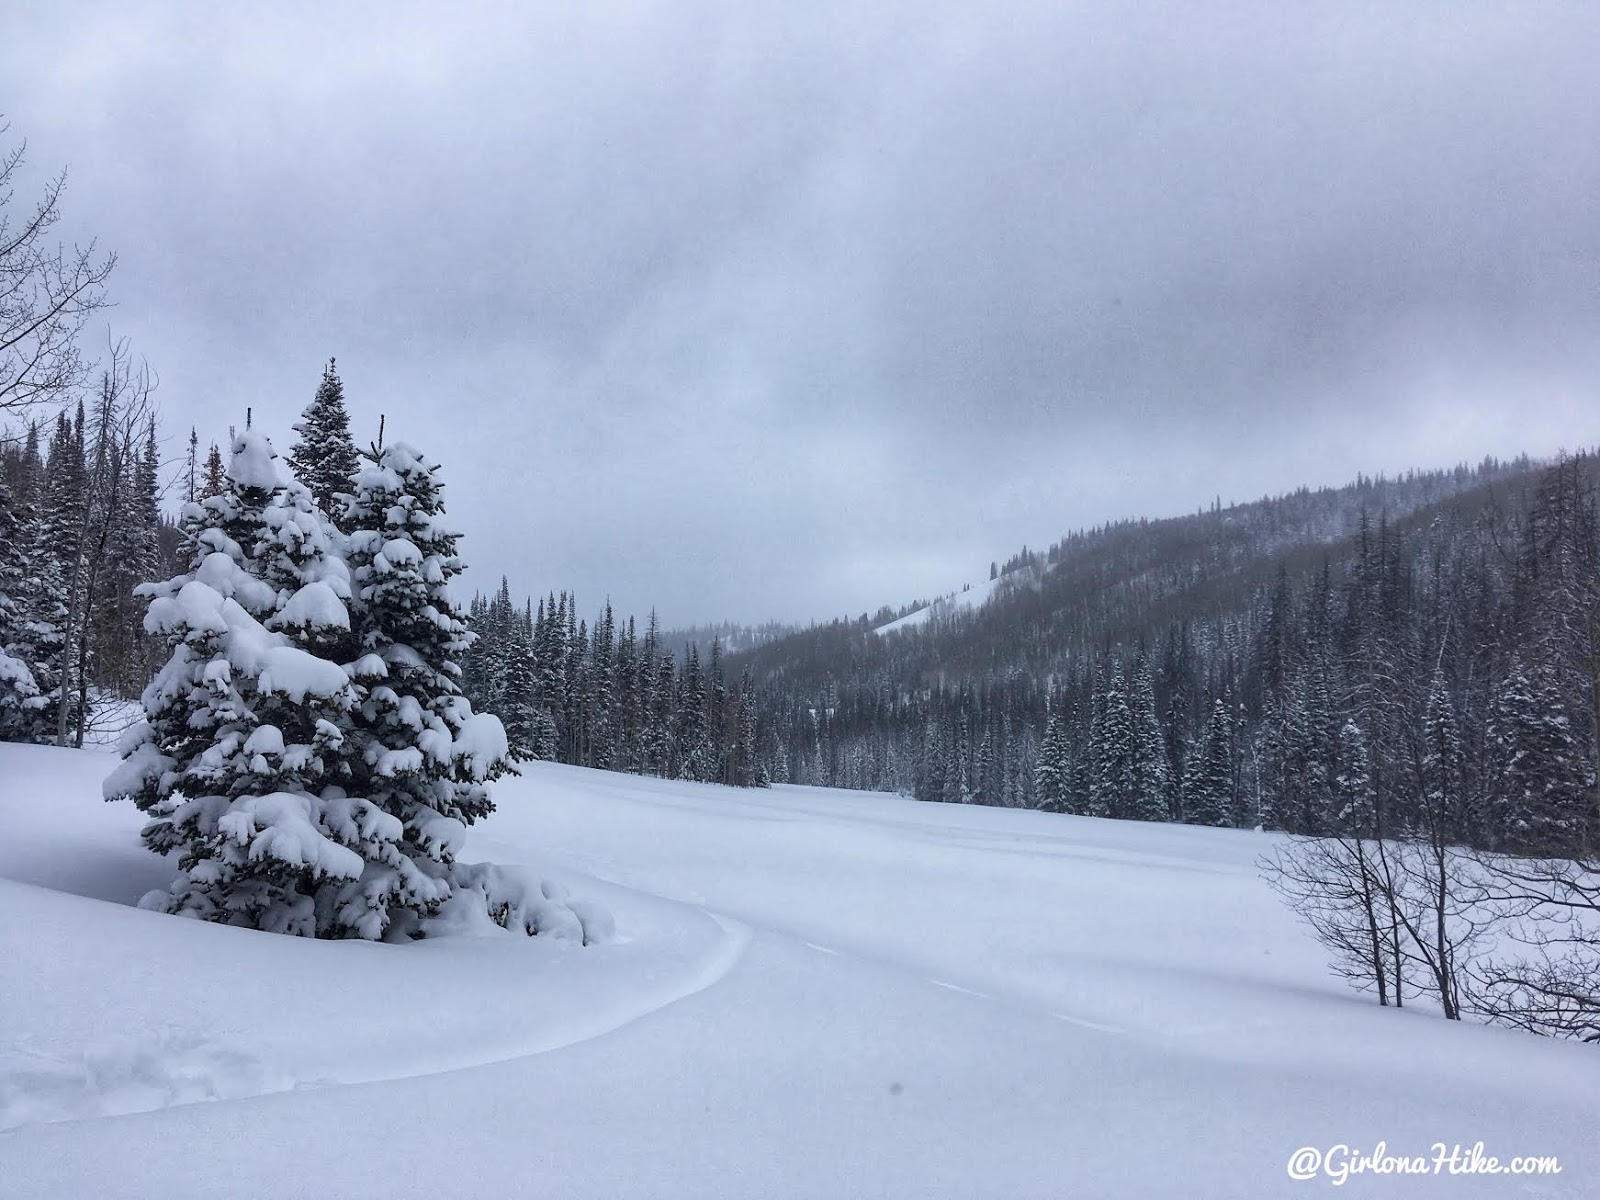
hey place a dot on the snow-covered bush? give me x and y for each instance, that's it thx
(489, 894)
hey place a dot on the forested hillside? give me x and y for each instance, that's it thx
(1260, 663)
(730, 636)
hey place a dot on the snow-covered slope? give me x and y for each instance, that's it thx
(810, 993)
(973, 596)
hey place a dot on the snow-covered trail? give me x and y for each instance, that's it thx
(816, 994)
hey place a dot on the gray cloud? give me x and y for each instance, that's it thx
(751, 314)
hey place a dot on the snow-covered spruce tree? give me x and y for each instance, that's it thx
(1444, 808)
(325, 458)
(1152, 782)
(1050, 777)
(1541, 795)
(11, 560)
(1114, 754)
(749, 770)
(1354, 806)
(528, 728)
(20, 704)
(216, 474)
(694, 760)
(56, 535)
(257, 744)
(31, 643)
(238, 761)
(417, 749)
(1208, 790)
(19, 696)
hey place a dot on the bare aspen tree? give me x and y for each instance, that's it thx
(1342, 887)
(48, 292)
(1547, 980)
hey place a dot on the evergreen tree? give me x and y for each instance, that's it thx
(216, 476)
(549, 651)
(1208, 790)
(1541, 801)
(601, 676)
(1354, 804)
(1114, 754)
(630, 725)
(1275, 778)
(694, 756)
(132, 556)
(58, 544)
(660, 751)
(719, 732)
(20, 705)
(1023, 771)
(325, 457)
(24, 468)
(958, 764)
(777, 759)
(417, 750)
(1444, 766)
(238, 760)
(1053, 775)
(490, 668)
(931, 765)
(746, 769)
(191, 491)
(517, 707)
(1152, 785)
(983, 763)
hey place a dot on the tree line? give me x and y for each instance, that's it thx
(606, 696)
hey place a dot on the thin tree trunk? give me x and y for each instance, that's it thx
(1592, 826)
(1374, 930)
(65, 683)
(91, 586)
(1444, 969)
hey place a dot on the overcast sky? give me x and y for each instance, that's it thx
(755, 311)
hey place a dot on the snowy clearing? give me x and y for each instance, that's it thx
(809, 993)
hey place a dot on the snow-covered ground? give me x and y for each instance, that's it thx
(810, 993)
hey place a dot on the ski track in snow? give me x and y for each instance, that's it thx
(730, 949)
(956, 987)
(603, 868)
(1013, 1002)
(1009, 1001)
(1086, 1023)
